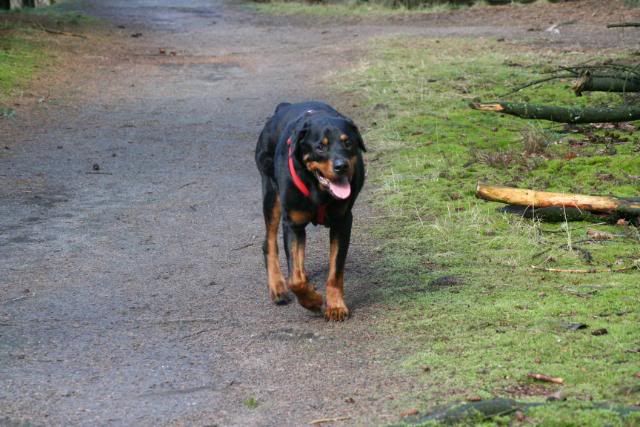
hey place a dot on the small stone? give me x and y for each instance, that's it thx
(598, 332)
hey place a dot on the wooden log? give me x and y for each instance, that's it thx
(544, 199)
(573, 115)
(625, 82)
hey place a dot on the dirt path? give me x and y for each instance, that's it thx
(137, 296)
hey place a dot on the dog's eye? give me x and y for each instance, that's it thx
(347, 143)
(321, 148)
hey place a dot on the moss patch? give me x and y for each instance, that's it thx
(492, 319)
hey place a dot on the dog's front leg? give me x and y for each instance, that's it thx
(294, 240)
(340, 235)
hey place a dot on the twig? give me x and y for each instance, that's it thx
(541, 253)
(579, 69)
(16, 299)
(545, 378)
(195, 334)
(242, 247)
(187, 184)
(60, 33)
(98, 173)
(329, 420)
(535, 82)
(190, 320)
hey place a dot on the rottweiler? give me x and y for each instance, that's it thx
(310, 159)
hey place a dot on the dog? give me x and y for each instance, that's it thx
(310, 159)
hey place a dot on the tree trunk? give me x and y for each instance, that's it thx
(572, 115)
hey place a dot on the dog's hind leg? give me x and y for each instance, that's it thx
(272, 211)
(340, 234)
(294, 241)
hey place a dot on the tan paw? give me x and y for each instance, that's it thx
(311, 300)
(336, 314)
(279, 294)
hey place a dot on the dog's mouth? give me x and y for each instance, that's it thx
(339, 188)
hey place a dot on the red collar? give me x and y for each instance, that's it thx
(297, 181)
(302, 187)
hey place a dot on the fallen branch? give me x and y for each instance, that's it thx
(624, 24)
(535, 82)
(571, 115)
(545, 378)
(587, 271)
(544, 199)
(328, 420)
(601, 70)
(622, 83)
(60, 33)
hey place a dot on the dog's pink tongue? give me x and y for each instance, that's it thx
(340, 190)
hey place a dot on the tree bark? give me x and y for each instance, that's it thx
(543, 199)
(622, 83)
(571, 115)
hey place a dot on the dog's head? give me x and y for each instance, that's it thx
(329, 148)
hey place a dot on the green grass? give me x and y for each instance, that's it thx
(502, 319)
(24, 46)
(19, 59)
(251, 403)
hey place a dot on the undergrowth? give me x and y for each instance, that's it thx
(458, 269)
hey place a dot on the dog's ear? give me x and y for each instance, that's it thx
(361, 142)
(298, 135)
(356, 131)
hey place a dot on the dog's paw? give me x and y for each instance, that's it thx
(279, 293)
(280, 298)
(310, 299)
(336, 314)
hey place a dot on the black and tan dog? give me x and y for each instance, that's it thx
(310, 159)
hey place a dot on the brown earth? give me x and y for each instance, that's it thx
(137, 296)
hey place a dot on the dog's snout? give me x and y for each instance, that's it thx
(340, 166)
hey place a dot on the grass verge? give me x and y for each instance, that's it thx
(25, 46)
(344, 9)
(480, 316)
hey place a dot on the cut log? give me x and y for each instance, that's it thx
(573, 115)
(588, 83)
(544, 199)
